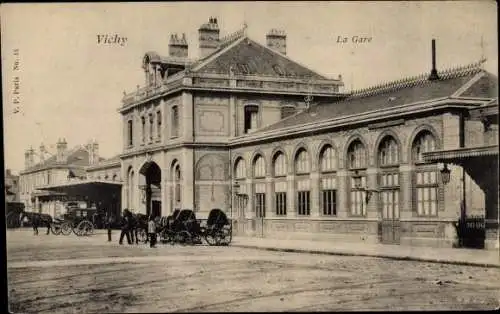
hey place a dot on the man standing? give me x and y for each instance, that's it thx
(109, 223)
(125, 227)
(152, 231)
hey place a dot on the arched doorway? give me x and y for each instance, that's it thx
(151, 191)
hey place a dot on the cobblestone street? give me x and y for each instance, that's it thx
(59, 274)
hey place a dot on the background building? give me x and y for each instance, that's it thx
(11, 186)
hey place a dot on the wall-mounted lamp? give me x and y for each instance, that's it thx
(445, 174)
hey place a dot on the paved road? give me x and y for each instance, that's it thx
(60, 274)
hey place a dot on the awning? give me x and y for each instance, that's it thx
(86, 187)
(452, 155)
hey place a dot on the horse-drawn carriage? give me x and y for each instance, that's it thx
(80, 221)
(183, 227)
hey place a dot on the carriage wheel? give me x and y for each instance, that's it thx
(211, 238)
(84, 228)
(66, 228)
(183, 237)
(56, 229)
(142, 235)
(228, 235)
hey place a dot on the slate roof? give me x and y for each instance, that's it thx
(77, 156)
(259, 60)
(395, 94)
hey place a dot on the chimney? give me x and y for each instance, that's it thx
(208, 36)
(178, 47)
(93, 152)
(29, 158)
(62, 147)
(42, 153)
(276, 40)
(434, 75)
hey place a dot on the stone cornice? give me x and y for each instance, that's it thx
(460, 153)
(365, 117)
(173, 146)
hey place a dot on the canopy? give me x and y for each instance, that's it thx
(91, 188)
(461, 154)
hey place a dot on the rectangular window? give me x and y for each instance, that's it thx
(260, 205)
(303, 203)
(130, 133)
(280, 203)
(426, 189)
(151, 126)
(251, 118)
(143, 122)
(175, 121)
(158, 125)
(358, 198)
(390, 204)
(329, 202)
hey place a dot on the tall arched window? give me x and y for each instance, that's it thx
(280, 184)
(143, 123)
(240, 169)
(259, 167)
(302, 169)
(151, 127)
(425, 176)
(388, 161)
(175, 121)
(131, 189)
(177, 182)
(356, 162)
(328, 166)
(259, 171)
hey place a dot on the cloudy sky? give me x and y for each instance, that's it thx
(70, 86)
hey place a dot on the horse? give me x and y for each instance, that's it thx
(37, 220)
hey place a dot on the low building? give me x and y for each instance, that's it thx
(11, 187)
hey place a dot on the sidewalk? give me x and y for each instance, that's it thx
(485, 258)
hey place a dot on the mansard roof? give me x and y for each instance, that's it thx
(464, 82)
(244, 56)
(76, 157)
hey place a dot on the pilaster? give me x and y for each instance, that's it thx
(372, 207)
(342, 194)
(406, 190)
(290, 195)
(315, 191)
(187, 178)
(187, 116)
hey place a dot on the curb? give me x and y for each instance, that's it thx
(400, 258)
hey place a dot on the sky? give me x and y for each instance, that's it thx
(71, 87)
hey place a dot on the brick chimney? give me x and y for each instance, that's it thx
(178, 47)
(62, 150)
(29, 158)
(93, 148)
(208, 36)
(276, 40)
(42, 152)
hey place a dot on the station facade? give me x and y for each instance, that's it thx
(287, 154)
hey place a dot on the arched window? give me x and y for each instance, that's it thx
(356, 160)
(279, 168)
(356, 155)
(175, 121)
(302, 164)
(151, 127)
(328, 164)
(158, 125)
(240, 169)
(259, 167)
(328, 159)
(388, 158)
(131, 189)
(425, 176)
(424, 142)
(177, 182)
(143, 123)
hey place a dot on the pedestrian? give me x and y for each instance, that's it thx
(125, 226)
(133, 228)
(152, 231)
(109, 223)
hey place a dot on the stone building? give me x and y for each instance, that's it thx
(287, 153)
(11, 186)
(52, 169)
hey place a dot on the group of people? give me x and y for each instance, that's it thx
(130, 225)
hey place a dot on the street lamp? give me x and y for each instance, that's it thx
(445, 174)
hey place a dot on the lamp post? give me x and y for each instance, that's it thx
(445, 174)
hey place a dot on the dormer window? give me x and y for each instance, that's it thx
(251, 118)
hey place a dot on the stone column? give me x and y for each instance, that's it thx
(270, 206)
(186, 121)
(250, 210)
(315, 194)
(187, 178)
(406, 191)
(290, 195)
(372, 207)
(342, 193)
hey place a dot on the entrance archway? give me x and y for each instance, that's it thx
(151, 191)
